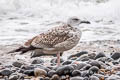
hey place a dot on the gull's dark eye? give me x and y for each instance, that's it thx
(75, 19)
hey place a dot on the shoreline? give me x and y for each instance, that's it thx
(105, 46)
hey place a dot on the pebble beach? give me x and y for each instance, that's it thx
(92, 60)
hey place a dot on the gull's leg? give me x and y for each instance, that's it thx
(58, 59)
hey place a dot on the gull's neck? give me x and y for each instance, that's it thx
(75, 26)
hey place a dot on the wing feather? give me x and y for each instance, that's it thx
(51, 37)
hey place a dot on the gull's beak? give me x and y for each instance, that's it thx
(86, 22)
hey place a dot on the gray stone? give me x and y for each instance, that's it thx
(6, 72)
(13, 77)
(115, 55)
(17, 64)
(37, 61)
(94, 78)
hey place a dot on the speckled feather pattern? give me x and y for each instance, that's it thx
(60, 38)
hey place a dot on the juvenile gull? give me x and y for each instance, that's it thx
(54, 41)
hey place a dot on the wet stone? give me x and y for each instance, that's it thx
(30, 67)
(78, 54)
(100, 55)
(86, 67)
(64, 70)
(41, 67)
(92, 55)
(6, 72)
(13, 77)
(83, 58)
(67, 62)
(76, 73)
(115, 62)
(93, 70)
(29, 72)
(51, 73)
(95, 63)
(81, 65)
(21, 71)
(37, 61)
(17, 64)
(115, 55)
(85, 73)
(102, 59)
(74, 66)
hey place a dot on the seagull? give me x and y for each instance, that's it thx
(54, 41)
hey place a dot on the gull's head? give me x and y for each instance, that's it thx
(74, 21)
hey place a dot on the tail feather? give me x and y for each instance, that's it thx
(23, 49)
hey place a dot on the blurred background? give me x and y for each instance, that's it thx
(23, 19)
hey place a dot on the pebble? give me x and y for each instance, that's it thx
(55, 77)
(67, 62)
(102, 59)
(78, 54)
(81, 65)
(94, 78)
(93, 70)
(86, 67)
(39, 72)
(95, 63)
(29, 72)
(99, 55)
(27, 67)
(91, 55)
(6, 72)
(13, 77)
(17, 64)
(51, 73)
(84, 57)
(37, 61)
(42, 67)
(85, 73)
(76, 73)
(86, 78)
(115, 55)
(64, 70)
